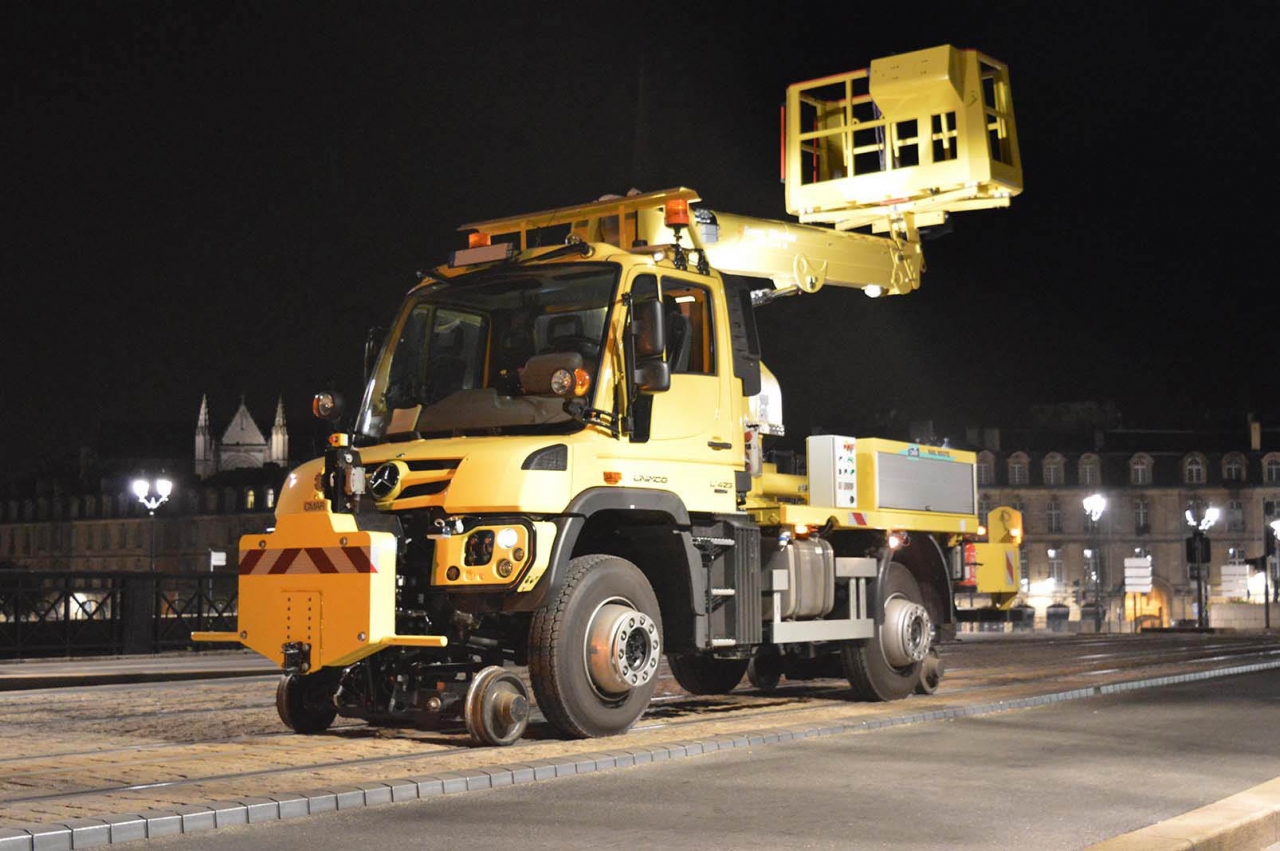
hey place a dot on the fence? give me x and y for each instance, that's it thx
(109, 613)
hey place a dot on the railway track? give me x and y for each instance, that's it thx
(97, 751)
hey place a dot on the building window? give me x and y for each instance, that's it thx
(1056, 570)
(1271, 467)
(249, 499)
(1233, 468)
(1141, 515)
(1053, 464)
(984, 508)
(271, 497)
(1053, 514)
(1017, 504)
(1193, 470)
(1091, 559)
(984, 470)
(1018, 469)
(1024, 567)
(1140, 470)
(1090, 470)
(1235, 516)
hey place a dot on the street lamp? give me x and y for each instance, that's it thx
(142, 490)
(1095, 504)
(1200, 518)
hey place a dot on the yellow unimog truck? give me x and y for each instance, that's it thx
(558, 459)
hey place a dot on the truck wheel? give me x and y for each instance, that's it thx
(765, 669)
(594, 649)
(699, 674)
(887, 666)
(305, 701)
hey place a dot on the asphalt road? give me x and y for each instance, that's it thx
(1060, 776)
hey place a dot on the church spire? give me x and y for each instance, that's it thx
(206, 453)
(278, 452)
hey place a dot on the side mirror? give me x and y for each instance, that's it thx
(649, 329)
(652, 376)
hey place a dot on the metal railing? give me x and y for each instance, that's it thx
(111, 613)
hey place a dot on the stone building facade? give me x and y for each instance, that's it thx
(1149, 479)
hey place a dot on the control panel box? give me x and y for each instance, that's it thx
(833, 470)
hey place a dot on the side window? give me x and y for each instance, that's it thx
(690, 336)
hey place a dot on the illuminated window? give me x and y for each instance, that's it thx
(1193, 470)
(249, 499)
(1140, 470)
(1233, 468)
(1018, 468)
(271, 497)
(1056, 570)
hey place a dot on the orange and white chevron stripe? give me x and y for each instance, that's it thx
(306, 560)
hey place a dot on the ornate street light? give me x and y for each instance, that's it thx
(142, 489)
(1200, 517)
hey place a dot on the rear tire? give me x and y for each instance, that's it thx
(699, 674)
(305, 701)
(594, 649)
(887, 666)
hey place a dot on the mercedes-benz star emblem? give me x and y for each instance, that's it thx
(384, 480)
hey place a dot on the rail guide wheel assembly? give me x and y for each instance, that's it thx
(496, 710)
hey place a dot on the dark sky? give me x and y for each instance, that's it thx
(221, 198)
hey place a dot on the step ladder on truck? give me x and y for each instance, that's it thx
(558, 457)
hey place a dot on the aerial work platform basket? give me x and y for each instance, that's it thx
(925, 133)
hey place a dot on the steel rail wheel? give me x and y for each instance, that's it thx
(699, 674)
(887, 665)
(305, 701)
(594, 649)
(765, 669)
(497, 707)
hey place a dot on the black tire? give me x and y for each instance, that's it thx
(699, 674)
(870, 674)
(305, 702)
(573, 703)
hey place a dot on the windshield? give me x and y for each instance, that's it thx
(455, 358)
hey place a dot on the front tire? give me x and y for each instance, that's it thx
(887, 666)
(594, 649)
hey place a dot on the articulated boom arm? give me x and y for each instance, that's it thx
(894, 148)
(793, 256)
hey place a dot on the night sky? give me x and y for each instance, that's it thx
(221, 199)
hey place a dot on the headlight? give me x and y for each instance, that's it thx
(508, 538)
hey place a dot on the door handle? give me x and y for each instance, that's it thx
(719, 444)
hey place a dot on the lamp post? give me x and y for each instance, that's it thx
(1095, 504)
(1200, 517)
(142, 490)
(1266, 578)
